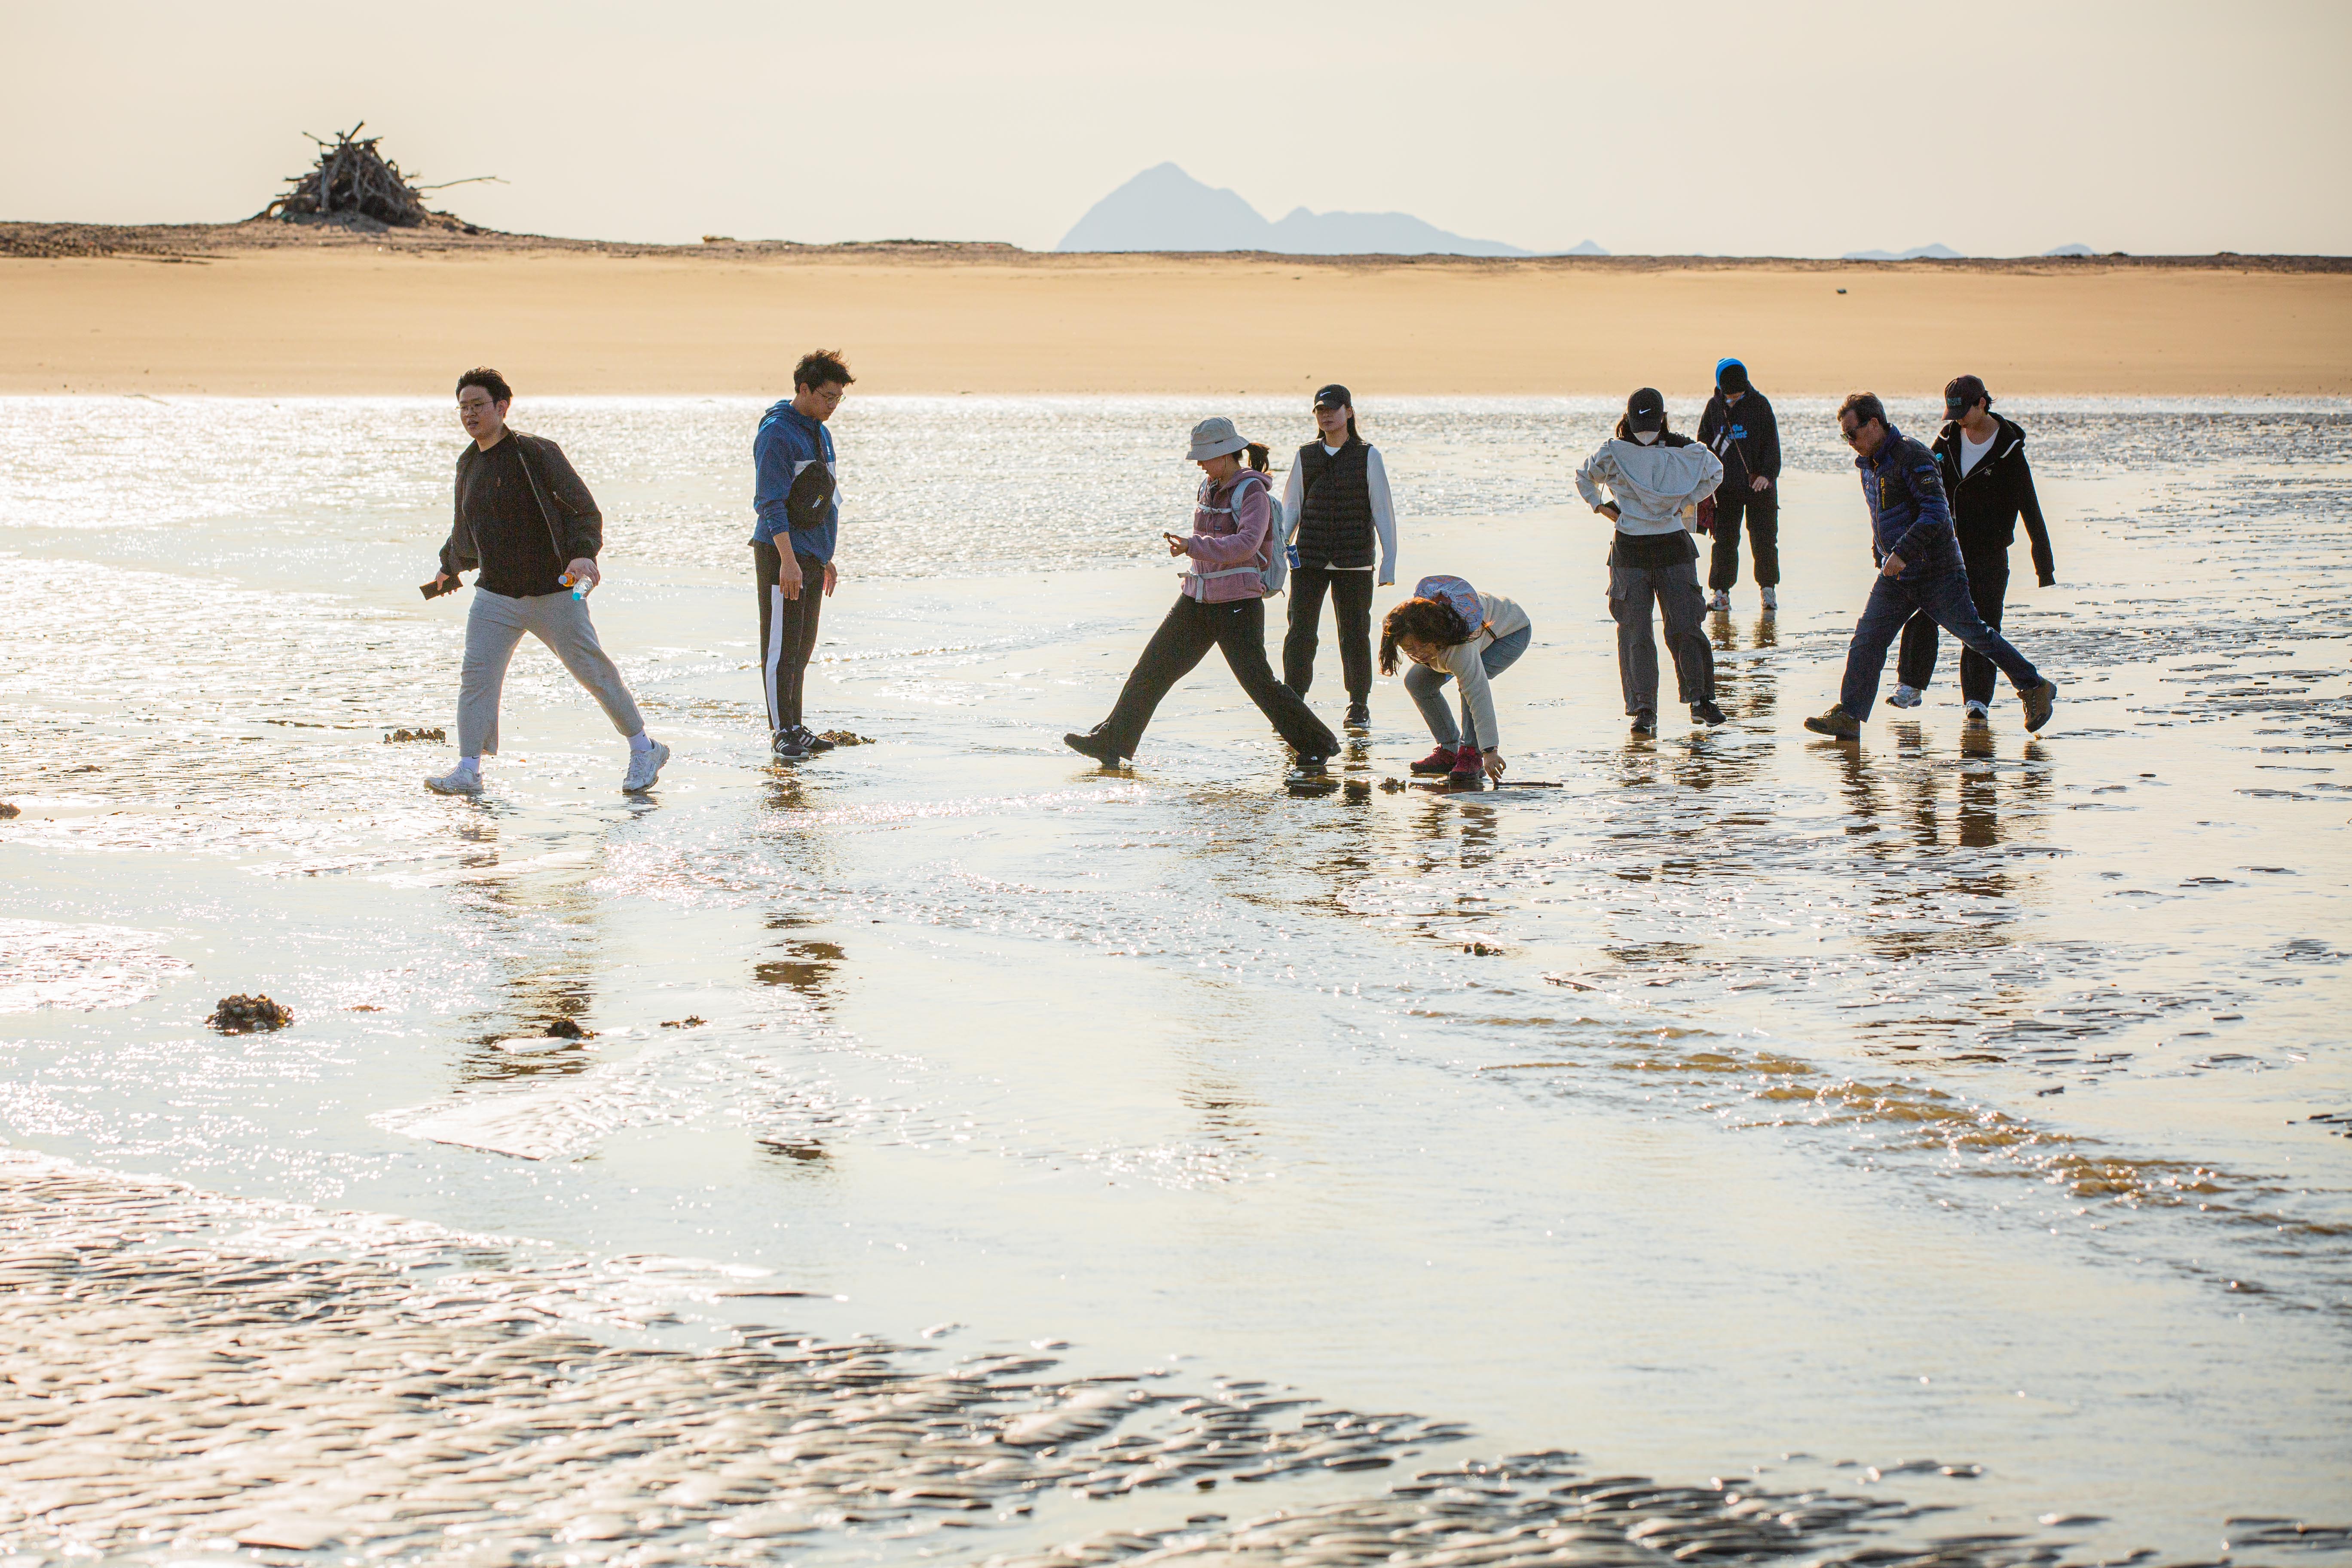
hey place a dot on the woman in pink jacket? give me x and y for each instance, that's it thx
(1222, 605)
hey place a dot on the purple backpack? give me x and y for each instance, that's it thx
(1453, 591)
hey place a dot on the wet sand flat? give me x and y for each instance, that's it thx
(1752, 1146)
(345, 314)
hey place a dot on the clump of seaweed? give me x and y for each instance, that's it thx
(243, 1014)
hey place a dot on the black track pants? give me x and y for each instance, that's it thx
(787, 631)
(1183, 639)
(1351, 606)
(1762, 511)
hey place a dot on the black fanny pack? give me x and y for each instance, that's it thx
(812, 493)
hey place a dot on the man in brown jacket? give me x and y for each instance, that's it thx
(525, 520)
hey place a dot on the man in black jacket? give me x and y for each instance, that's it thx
(1739, 427)
(525, 520)
(1981, 456)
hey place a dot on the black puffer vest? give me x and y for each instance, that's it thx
(1335, 520)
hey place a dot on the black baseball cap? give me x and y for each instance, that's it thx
(1645, 410)
(1962, 393)
(1334, 396)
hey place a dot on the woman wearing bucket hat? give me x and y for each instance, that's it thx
(1652, 477)
(1220, 604)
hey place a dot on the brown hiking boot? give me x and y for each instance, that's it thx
(1836, 721)
(2039, 701)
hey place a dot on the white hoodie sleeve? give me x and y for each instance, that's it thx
(1292, 489)
(1591, 474)
(1710, 480)
(1376, 478)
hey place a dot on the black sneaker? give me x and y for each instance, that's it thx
(1645, 723)
(1309, 762)
(1360, 715)
(1706, 712)
(788, 747)
(1092, 744)
(813, 740)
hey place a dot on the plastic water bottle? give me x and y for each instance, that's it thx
(578, 586)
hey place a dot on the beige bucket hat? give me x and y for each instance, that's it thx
(1214, 438)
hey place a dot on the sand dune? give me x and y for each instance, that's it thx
(274, 308)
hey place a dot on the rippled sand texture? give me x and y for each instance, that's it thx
(420, 1403)
(1940, 1139)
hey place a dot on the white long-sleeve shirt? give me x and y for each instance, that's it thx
(1376, 482)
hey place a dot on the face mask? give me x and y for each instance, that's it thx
(1647, 437)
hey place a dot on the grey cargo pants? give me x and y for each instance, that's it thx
(1684, 609)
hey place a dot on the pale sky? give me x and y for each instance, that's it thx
(1761, 127)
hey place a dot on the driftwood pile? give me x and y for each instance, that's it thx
(353, 179)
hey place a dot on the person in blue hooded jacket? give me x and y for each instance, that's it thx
(1919, 568)
(799, 507)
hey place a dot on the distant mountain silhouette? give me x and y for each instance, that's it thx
(1917, 253)
(1164, 208)
(2076, 250)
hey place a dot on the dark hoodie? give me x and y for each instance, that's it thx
(1986, 501)
(1746, 437)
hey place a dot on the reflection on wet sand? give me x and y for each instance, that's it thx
(808, 963)
(542, 926)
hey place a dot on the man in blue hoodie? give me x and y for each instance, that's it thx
(792, 549)
(1919, 568)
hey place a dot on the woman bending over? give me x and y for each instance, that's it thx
(1452, 632)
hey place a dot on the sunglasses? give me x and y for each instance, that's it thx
(1852, 433)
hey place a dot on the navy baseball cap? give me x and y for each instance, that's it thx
(1334, 396)
(1645, 410)
(1962, 393)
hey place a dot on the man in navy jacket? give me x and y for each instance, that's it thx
(1919, 568)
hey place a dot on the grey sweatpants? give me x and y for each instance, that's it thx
(495, 625)
(1684, 609)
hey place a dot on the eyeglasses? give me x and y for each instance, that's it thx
(1852, 433)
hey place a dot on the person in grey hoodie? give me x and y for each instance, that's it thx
(1654, 475)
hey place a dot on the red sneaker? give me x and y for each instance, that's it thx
(1440, 760)
(1469, 765)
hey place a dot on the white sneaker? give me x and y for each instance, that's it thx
(1978, 717)
(1721, 603)
(459, 780)
(1772, 599)
(644, 768)
(1904, 697)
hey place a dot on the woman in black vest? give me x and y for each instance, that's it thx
(1338, 501)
